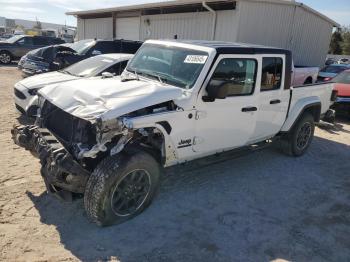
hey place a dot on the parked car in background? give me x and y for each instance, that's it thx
(331, 61)
(18, 45)
(304, 75)
(5, 37)
(344, 61)
(57, 57)
(107, 65)
(331, 71)
(175, 102)
(43, 59)
(342, 86)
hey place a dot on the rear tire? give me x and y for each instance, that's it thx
(121, 187)
(298, 140)
(5, 57)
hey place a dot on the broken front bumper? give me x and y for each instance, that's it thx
(59, 170)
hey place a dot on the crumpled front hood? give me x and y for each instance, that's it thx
(39, 81)
(107, 98)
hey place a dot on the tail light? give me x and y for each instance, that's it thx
(327, 79)
(334, 95)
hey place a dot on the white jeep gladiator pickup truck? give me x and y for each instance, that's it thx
(175, 102)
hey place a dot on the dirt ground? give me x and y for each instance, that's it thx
(264, 206)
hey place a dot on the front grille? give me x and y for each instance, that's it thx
(67, 127)
(19, 94)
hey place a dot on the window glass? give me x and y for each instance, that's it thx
(40, 41)
(172, 65)
(26, 41)
(89, 67)
(82, 46)
(105, 47)
(13, 39)
(238, 74)
(117, 69)
(271, 73)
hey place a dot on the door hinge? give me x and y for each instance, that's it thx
(200, 114)
(198, 140)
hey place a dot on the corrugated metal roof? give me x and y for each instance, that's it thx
(184, 2)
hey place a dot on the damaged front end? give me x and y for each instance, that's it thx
(70, 148)
(62, 174)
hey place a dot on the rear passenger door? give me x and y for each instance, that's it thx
(273, 99)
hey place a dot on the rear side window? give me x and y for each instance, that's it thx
(272, 68)
(40, 41)
(239, 74)
(105, 47)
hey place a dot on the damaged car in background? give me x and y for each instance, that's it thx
(108, 140)
(56, 57)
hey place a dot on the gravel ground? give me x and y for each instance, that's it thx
(263, 206)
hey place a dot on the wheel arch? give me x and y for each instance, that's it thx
(313, 107)
(309, 80)
(167, 154)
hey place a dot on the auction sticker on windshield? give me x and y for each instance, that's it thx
(196, 59)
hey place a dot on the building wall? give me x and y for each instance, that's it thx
(80, 29)
(196, 26)
(101, 28)
(185, 26)
(285, 26)
(257, 22)
(311, 37)
(227, 25)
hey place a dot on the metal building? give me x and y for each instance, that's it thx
(279, 23)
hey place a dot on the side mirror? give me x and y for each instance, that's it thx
(96, 52)
(216, 90)
(107, 75)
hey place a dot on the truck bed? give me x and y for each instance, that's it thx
(320, 94)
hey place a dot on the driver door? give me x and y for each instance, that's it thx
(228, 123)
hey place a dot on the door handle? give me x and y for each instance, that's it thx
(249, 109)
(274, 102)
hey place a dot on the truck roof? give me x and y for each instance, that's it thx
(235, 48)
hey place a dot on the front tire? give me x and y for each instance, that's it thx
(121, 187)
(298, 140)
(5, 57)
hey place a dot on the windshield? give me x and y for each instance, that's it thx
(342, 78)
(81, 47)
(90, 67)
(14, 39)
(334, 69)
(173, 65)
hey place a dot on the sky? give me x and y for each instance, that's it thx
(53, 11)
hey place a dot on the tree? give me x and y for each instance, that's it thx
(336, 41)
(346, 41)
